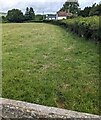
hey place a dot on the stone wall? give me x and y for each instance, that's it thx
(11, 109)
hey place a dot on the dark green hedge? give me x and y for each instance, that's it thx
(88, 27)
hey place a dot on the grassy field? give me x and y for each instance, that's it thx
(48, 65)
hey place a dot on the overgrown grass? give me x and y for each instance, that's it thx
(44, 64)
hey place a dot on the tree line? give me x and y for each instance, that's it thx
(73, 7)
(95, 9)
(16, 15)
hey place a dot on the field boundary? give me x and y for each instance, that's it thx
(18, 109)
(83, 27)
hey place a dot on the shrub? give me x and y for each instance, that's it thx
(83, 26)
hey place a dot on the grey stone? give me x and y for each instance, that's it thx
(12, 109)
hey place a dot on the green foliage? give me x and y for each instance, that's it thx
(91, 11)
(4, 19)
(0, 19)
(85, 12)
(72, 7)
(39, 17)
(86, 27)
(83, 26)
(15, 15)
(29, 14)
(96, 10)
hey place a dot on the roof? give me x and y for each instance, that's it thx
(61, 13)
(51, 15)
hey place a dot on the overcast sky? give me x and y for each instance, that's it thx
(48, 6)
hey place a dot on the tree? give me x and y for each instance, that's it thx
(39, 17)
(71, 6)
(96, 10)
(15, 15)
(85, 12)
(29, 14)
(4, 19)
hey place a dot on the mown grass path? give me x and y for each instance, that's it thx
(44, 64)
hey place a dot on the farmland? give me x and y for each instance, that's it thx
(47, 65)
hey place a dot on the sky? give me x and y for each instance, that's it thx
(46, 6)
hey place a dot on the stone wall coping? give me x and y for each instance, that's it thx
(20, 109)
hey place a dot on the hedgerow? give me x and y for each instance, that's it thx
(83, 26)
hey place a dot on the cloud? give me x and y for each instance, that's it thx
(48, 6)
(84, 3)
(39, 6)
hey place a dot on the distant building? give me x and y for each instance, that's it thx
(63, 15)
(51, 17)
(59, 15)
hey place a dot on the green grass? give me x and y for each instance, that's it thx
(47, 65)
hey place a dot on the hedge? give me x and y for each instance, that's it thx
(88, 27)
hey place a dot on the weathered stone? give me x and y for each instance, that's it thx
(12, 109)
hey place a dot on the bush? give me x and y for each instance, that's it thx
(15, 15)
(87, 27)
